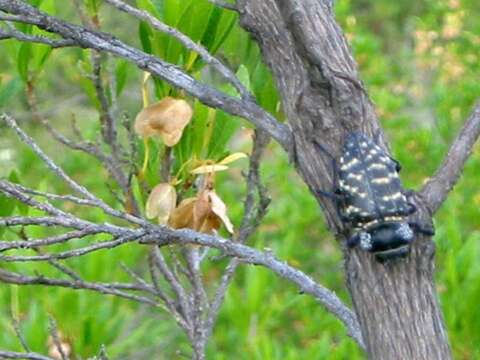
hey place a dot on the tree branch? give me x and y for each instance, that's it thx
(435, 191)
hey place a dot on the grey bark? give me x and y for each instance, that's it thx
(324, 99)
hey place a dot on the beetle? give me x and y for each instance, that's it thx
(371, 199)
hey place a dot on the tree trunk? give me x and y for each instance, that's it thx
(324, 99)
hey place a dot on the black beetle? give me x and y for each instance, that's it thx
(371, 199)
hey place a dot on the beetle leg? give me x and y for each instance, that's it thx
(412, 208)
(422, 229)
(398, 166)
(353, 241)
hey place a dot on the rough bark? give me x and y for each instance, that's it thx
(324, 99)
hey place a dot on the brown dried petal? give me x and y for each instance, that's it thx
(201, 210)
(210, 224)
(220, 209)
(182, 216)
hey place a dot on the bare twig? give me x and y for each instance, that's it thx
(51, 240)
(169, 303)
(182, 298)
(20, 279)
(111, 162)
(200, 300)
(18, 332)
(129, 237)
(15, 34)
(437, 188)
(163, 236)
(108, 121)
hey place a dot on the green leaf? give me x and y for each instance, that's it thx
(23, 60)
(92, 6)
(151, 7)
(121, 73)
(145, 32)
(223, 130)
(41, 54)
(173, 48)
(244, 76)
(189, 25)
(199, 128)
(209, 35)
(227, 23)
(7, 206)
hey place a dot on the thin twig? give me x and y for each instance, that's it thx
(15, 34)
(169, 303)
(20, 279)
(180, 293)
(18, 332)
(129, 237)
(51, 240)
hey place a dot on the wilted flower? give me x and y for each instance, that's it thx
(166, 118)
(161, 202)
(182, 216)
(204, 213)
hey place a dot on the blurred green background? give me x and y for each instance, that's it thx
(420, 60)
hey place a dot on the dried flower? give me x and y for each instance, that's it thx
(204, 213)
(166, 118)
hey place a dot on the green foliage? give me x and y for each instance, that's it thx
(420, 62)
